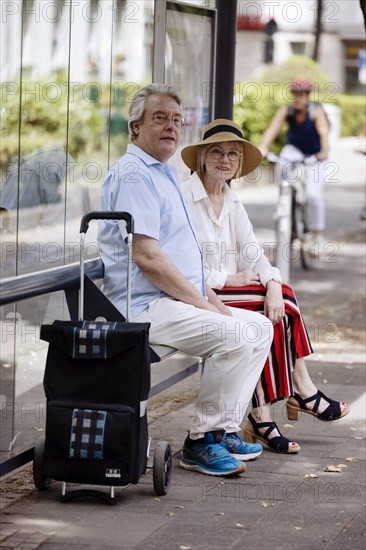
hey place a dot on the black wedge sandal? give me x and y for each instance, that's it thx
(332, 412)
(278, 444)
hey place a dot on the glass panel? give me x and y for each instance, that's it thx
(189, 51)
(42, 191)
(31, 351)
(33, 194)
(67, 67)
(131, 67)
(11, 58)
(88, 86)
(11, 32)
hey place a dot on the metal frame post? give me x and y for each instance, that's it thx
(225, 58)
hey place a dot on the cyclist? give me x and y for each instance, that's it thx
(308, 130)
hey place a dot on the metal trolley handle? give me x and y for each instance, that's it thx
(100, 215)
(84, 226)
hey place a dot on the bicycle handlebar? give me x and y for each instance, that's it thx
(272, 157)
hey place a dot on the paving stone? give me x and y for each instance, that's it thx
(175, 536)
(25, 539)
(353, 535)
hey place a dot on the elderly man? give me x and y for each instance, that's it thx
(168, 285)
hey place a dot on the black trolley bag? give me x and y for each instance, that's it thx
(97, 382)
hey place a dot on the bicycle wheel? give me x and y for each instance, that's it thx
(283, 232)
(295, 250)
(307, 249)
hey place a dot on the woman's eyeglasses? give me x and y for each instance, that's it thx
(217, 153)
(161, 119)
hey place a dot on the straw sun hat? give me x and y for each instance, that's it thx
(218, 131)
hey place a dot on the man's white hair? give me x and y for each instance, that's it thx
(138, 103)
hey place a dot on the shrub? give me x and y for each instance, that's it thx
(353, 114)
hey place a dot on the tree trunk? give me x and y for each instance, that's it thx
(363, 8)
(319, 28)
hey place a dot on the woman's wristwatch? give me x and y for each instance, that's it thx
(275, 280)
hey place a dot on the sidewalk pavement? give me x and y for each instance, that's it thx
(281, 501)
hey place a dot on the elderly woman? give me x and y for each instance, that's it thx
(239, 272)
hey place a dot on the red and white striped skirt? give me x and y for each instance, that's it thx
(290, 340)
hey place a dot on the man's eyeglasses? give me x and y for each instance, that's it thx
(217, 153)
(160, 119)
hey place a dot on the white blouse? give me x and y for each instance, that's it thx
(228, 243)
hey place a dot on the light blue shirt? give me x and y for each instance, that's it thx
(149, 190)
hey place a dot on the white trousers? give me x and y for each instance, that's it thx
(314, 186)
(234, 348)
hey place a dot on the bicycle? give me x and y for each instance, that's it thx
(291, 217)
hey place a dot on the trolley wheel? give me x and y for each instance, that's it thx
(41, 481)
(162, 467)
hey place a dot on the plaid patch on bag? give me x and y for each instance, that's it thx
(91, 339)
(87, 433)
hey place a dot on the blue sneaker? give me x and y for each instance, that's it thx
(209, 458)
(239, 449)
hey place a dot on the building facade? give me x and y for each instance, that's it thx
(341, 45)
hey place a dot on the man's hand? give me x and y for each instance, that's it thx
(158, 267)
(215, 304)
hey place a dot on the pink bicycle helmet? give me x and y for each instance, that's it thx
(301, 86)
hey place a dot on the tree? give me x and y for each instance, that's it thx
(296, 66)
(319, 28)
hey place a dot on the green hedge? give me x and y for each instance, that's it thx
(353, 114)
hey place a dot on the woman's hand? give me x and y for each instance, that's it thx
(243, 278)
(274, 307)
